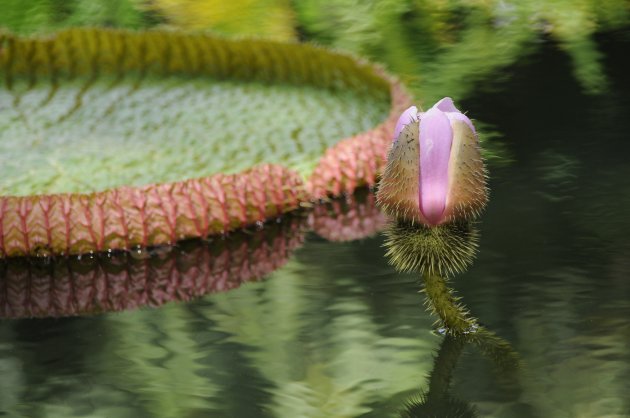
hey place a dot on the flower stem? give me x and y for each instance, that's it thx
(459, 323)
(454, 316)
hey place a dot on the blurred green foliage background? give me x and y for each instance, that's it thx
(434, 45)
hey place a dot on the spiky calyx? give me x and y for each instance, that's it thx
(443, 250)
(436, 252)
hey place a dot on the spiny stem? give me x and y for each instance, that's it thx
(458, 322)
(453, 315)
(496, 348)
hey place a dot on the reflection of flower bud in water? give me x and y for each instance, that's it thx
(433, 186)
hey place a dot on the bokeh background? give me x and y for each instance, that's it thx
(435, 45)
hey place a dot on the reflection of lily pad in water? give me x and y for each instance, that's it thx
(132, 116)
(68, 286)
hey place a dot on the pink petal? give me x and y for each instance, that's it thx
(460, 116)
(408, 116)
(436, 138)
(446, 105)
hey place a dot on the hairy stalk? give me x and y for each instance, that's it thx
(505, 359)
(440, 299)
(458, 321)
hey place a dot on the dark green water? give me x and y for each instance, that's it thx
(334, 331)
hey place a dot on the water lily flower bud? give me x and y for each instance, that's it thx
(435, 174)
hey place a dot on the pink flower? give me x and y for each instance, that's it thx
(435, 173)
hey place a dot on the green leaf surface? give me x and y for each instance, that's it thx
(91, 110)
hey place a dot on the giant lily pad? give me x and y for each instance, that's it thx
(113, 139)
